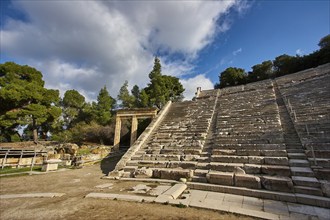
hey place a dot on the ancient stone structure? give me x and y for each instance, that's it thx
(133, 114)
(271, 136)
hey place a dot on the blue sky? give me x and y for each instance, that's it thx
(85, 45)
(268, 29)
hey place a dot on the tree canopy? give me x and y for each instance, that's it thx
(26, 105)
(162, 88)
(127, 100)
(281, 65)
(73, 103)
(325, 42)
(105, 103)
(232, 76)
(24, 100)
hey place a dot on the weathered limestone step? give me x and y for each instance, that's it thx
(297, 156)
(298, 163)
(323, 162)
(199, 179)
(308, 190)
(306, 181)
(295, 151)
(302, 171)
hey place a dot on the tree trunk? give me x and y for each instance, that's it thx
(35, 131)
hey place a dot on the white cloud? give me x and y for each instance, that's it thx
(300, 52)
(237, 51)
(191, 85)
(85, 45)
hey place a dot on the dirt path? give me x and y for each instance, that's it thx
(76, 184)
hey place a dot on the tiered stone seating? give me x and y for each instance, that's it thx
(262, 136)
(307, 98)
(247, 137)
(178, 142)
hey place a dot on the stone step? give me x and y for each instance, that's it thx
(199, 179)
(295, 151)
(302, 171)
(306, 181)
(264, 194)
(297, 156)
(250, 159)
(299, 163)
(308, 190)
(323, 162)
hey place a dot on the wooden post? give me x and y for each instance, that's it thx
(4, 160)
(116, 141)
(33, 160)
(134, 130)
(20, 159)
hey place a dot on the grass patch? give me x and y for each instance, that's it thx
(84, 151)
(180, 205)
(8, 170)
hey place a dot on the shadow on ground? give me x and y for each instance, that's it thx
(109, 163)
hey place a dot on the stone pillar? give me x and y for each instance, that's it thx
(134, 129)
(117, 133)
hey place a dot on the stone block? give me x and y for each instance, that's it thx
(276, 160)
(325, 186)
(175, 174)
(175, 191)
(225, 167)
(248, 181)
(282, 184)
(252, 168)
(143, 173)
(276, 170)
(188, 165)
(156, 173)
(256, 160)
(248, 152)
(50, 165)
(223, 152)
(221, 178)
(190, 157)
(274, 153)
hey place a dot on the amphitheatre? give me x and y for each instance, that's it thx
(254, 151)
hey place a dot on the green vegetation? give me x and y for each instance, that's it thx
(159, 91)
(84, 151)
(27, 105)
(25, 101)
(280, 66)
(180, 205)
(8, 170)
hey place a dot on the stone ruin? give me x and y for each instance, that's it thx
(265, 139)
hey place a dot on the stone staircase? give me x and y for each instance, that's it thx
(175, 147)
(302, 175)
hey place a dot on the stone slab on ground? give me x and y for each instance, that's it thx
(31, 195)
(123, 197)
(158, 190)
(103, 186)
(245, 205)
(175, 191)
(277, 207)
(141, 188)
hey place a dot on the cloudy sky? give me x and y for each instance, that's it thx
(85, 45)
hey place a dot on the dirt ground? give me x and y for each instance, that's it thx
(76, 184)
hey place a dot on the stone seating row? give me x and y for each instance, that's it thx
(311, 116)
